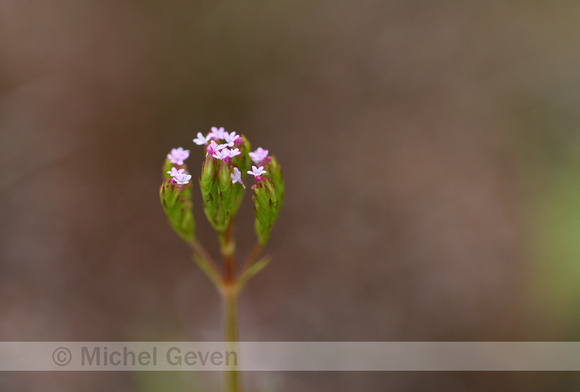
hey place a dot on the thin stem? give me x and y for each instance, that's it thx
(230, 300)
(251, 258)
(197, 247)
(206, 264)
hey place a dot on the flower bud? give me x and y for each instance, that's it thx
(208, 173)
(226, 196)
(208, 185)
(275, 175)
(266, 208)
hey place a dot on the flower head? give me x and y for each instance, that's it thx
(237, 177)
(217, 133)
(200, 139)
(178, 155)
(258, 156)
(257, 172)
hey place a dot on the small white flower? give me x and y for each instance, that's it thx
(174, 172)
(182, 178)
(230, 138)
(178, 155)
(259, 155)
(217, 133)
(257, 171)
(237, 177)
(200, 139)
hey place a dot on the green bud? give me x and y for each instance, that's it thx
(226, 196)
(274, 173)
(208, 174)
(266, 208)
(209, 188)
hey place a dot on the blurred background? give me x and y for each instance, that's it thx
(432, 162)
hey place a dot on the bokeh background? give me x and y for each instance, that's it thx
(431, 153)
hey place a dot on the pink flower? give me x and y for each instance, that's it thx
(237, 177)
(230, 138)
(213, 147)
(257, 172)
(259, 155)
(174, 172)
(182, 178)
(221, 153)
(179, 176)
(233, 152)
(217, 133)
(200, 139)
(178, 155)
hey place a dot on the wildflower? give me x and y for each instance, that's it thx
(200, 139)
(213, 147)
(257, 172)
(237, 177)
(232, 152)
(175, 172)
(221, 153)
(231, 138)
(217, 133)
(179, 176)
(178, 155)
(182, 178)
(259, 155)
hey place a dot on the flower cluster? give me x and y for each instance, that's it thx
(228, 159)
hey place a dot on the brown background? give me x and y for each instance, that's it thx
(414, 138)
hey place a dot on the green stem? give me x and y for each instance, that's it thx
(230, 300)
(251, 258)
(206, 264)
